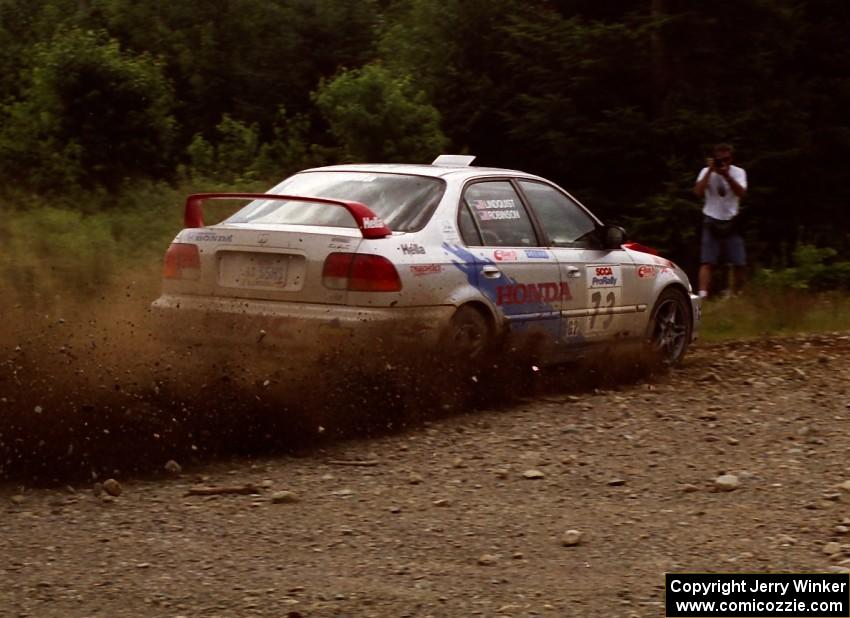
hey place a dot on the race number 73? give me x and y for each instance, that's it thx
(607, 310)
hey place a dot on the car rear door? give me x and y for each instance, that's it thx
(601, 280)
(519, 276)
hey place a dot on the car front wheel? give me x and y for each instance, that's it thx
(669, 328)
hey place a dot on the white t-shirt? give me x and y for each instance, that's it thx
(720, 200)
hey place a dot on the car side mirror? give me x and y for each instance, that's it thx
(613, 236)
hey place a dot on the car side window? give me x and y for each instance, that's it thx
(500, 215)
(565, 222)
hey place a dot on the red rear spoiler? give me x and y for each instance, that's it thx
(370, 224)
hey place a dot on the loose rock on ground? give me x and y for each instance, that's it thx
(569, 539)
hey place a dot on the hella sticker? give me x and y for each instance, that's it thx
(412, 248)
(370, 223)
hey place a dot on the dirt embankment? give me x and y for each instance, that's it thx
(463, 514)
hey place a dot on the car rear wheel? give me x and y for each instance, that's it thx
(669, 328)
(468, 335)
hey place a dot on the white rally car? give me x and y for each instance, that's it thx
(444, 256)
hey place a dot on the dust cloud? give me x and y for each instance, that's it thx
(94, 387)
(98, 387)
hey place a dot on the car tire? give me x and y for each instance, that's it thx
(669, 331)
(469, 335)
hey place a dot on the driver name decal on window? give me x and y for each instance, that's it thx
(493, 204)
(501, 216)
(495, 210)
(498, 215)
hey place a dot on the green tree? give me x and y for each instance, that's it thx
(24, 24)
(91, 114)
(288, 151)
(454, 50)
(244, 58)
(377, 116)
(230, 156)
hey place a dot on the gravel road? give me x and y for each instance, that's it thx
(569, 502)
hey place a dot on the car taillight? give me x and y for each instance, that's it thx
(373, 273)
(336, 269)
(360, 273)
(182, 261)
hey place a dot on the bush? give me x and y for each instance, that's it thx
(52, 248)
(377, 116)
(815, 270)
(230, 156)
(289, 151)
(91, 115)
(236, 154)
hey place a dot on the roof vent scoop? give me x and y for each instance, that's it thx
(454, 160)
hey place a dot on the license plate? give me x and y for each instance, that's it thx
(266, 274)
(256, 270)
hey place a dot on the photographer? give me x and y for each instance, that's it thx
(722, 185)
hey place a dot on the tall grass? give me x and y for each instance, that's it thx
(79, 245)
(774, 312)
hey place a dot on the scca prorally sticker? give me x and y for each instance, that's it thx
(210, 237)
(605, 276)
(504, 255)
(646, 272)
(537, 254)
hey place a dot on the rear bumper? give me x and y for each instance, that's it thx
(306, 327)
(696, 311)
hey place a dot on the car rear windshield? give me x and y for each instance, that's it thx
(404, 202)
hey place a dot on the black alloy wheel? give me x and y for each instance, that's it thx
(670, 328)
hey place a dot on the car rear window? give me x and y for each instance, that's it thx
(404, 202)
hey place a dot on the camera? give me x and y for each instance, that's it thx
(719, 163)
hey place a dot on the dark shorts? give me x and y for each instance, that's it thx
(717, 245)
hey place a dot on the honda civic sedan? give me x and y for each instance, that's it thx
(451, 257)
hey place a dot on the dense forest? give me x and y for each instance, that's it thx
(619, 101)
